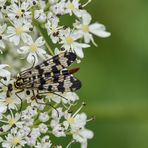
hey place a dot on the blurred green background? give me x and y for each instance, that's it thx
(115, 75)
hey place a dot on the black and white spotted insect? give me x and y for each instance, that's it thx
(51, 75)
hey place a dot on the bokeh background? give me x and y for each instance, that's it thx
(115, 75)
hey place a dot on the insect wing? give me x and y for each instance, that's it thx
(48, 77)
(67, 83)
(54, 64)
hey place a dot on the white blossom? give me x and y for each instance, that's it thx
(2, 35)
(73, 7)
(19, 31)
(17, 10)
(4, 74)
(86, 29)
(33, 49)
(13, 140)
(70, 44)
(40, 15)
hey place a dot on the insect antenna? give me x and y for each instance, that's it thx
(30, 67)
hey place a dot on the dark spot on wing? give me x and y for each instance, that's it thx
(49, 88)
(41, 87)
(47, 74)
(42, 81)
(61, 87)
(40, 71)
(54, 68)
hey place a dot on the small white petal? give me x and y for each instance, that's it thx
(79, 52)
(86, 17)
(99, 30)
(23, 50)
(40, 41)
(3, 108)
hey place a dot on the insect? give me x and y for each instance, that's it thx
(51, 75)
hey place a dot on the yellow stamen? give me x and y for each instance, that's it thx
(19, 13)
(15, 140)
(34, 47)
(85, 28)
(70, 6)
(71, 120)
(12, 122)
(19, 30)
(69, 40)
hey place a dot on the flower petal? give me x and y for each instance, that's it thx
(99, 30)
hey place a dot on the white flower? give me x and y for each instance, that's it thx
(10, 102)
(31, 141)
(70, 44)
(53, 29)
(75, 121)
(56, 115)
(2, 109)
(5, 74)
(16, 10)
(70, 97)
(53, 1)
(58, 8)
(72, 6)
(58, 131)
(40, 15)
(13, 140)
(24, 131)
(33, 2)
(2, 5)
(33, 49)
(35, 132)
(19, 31)
(29, 112)
(12, 121)
(2, 35)
(45, 143)
(86, 29)
(43, 128)
(81, 135)
(44, 117)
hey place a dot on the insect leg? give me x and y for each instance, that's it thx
(54, 94)
(60, 96)
(3, 83)
(20, 97)
(36, 99)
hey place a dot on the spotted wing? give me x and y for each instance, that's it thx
(61, 83)
(54, 64)
(48, 77)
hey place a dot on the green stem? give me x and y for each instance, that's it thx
(45, 35)
(43, 32)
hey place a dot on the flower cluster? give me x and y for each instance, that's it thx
(28, 28)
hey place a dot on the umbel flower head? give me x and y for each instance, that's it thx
(29, 115)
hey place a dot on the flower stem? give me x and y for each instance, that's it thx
(44, 34)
